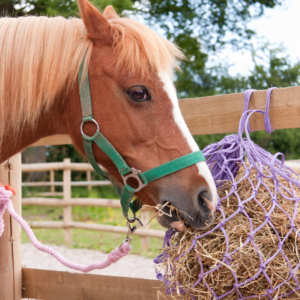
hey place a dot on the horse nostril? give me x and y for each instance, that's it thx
(205, 201)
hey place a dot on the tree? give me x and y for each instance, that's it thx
(201, 27)
(64, 8)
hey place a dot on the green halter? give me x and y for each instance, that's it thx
(126, 194)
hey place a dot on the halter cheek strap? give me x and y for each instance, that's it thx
(143, 178)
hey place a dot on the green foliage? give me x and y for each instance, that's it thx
(280, 71)
(64, 8)
(201, 27)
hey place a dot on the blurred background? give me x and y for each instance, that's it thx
(230, 45)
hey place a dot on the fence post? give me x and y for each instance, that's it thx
(52, 188)
(67, 196)
(89, 178)
(145, 220)
(10, 241)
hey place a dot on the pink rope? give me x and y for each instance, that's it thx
(5, 202)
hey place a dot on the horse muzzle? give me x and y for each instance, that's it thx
(197, 212)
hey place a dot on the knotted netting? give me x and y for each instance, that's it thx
(251, 249)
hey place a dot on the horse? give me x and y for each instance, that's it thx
(130, 69)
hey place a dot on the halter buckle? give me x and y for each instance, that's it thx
(135, 174)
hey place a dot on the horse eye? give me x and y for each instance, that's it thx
(138, 93)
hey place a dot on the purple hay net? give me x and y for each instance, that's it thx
(224, 158)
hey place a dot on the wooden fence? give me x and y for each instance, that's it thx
(67, 202)
(207, 115)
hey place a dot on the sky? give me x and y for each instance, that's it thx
(278, 26)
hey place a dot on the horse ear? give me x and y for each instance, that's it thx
(96, 24)
(109, 13)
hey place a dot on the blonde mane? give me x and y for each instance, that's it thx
(40, 58)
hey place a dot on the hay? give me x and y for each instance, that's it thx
(183, 265)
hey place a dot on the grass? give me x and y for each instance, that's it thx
(88, 239)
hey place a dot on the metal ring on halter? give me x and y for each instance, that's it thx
(81, 127)
(134, 174)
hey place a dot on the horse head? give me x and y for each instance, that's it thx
(134, 101)
(130, 69)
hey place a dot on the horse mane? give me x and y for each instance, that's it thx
(40, 58)
(141, 50)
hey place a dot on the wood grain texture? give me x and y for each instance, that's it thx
(15, 179)
(67, 195)
(72, 202)
(52, 179)
(56, 166)
(222, 113)
(6, 255)
(89, 178)
(54, 285)
(59, 139)
(73, 183)
(10, 241)
(145, 221)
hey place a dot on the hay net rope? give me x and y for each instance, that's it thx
(224, 159)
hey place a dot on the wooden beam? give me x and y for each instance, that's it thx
(59, 139)
(89, 178)
(56, 166)
(222, 113)
(6, 256)
(52, 179)
(54, 285)
(15, 179)
(66, 196)
(10, 241)
(146, 226)
(73, 183)
(98, 227)
(72, 202)
(47, 194)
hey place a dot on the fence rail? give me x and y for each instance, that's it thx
(73, 183)
(99, 227)
(68, 202)
(71, 202)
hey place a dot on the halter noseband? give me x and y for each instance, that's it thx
(143, 178)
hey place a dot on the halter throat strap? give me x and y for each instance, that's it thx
(126, 193)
